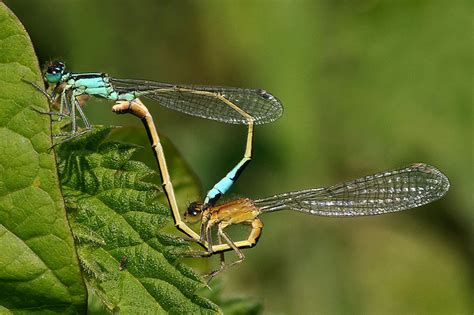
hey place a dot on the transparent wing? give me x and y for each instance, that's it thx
(380, 193)
(216, 103)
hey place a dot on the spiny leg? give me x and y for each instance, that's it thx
(226, 238)
(66, 103)
(39, 111)
(204, 227)
(222, 237)
(203, 253)
(50, 99)
(63, 103)
(60, 114)
(72, 106)
(87, 125)
(221, 255)
(207, 253)
(197, 254)
(39, 88)
(251, 241)
(212, 274)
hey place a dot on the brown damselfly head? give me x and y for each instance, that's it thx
(194, 212)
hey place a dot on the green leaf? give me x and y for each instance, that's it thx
(185, 182)
(116, 217)
(39, 269)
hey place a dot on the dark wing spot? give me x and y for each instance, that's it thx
(264, 94)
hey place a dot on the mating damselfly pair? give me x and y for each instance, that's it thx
(381, 193)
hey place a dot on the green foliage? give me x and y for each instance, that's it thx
(185, 182)
(114, 213)
(119, 253)
(39, 270)
(367, 85)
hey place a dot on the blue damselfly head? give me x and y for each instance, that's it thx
(54, 72)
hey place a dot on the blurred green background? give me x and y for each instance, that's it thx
(367, 85)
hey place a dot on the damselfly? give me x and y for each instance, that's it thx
(381, 193)
(224, 104)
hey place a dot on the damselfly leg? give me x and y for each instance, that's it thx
(68, 105)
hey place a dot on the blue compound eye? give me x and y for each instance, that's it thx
(52, 77)
(54, 72)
